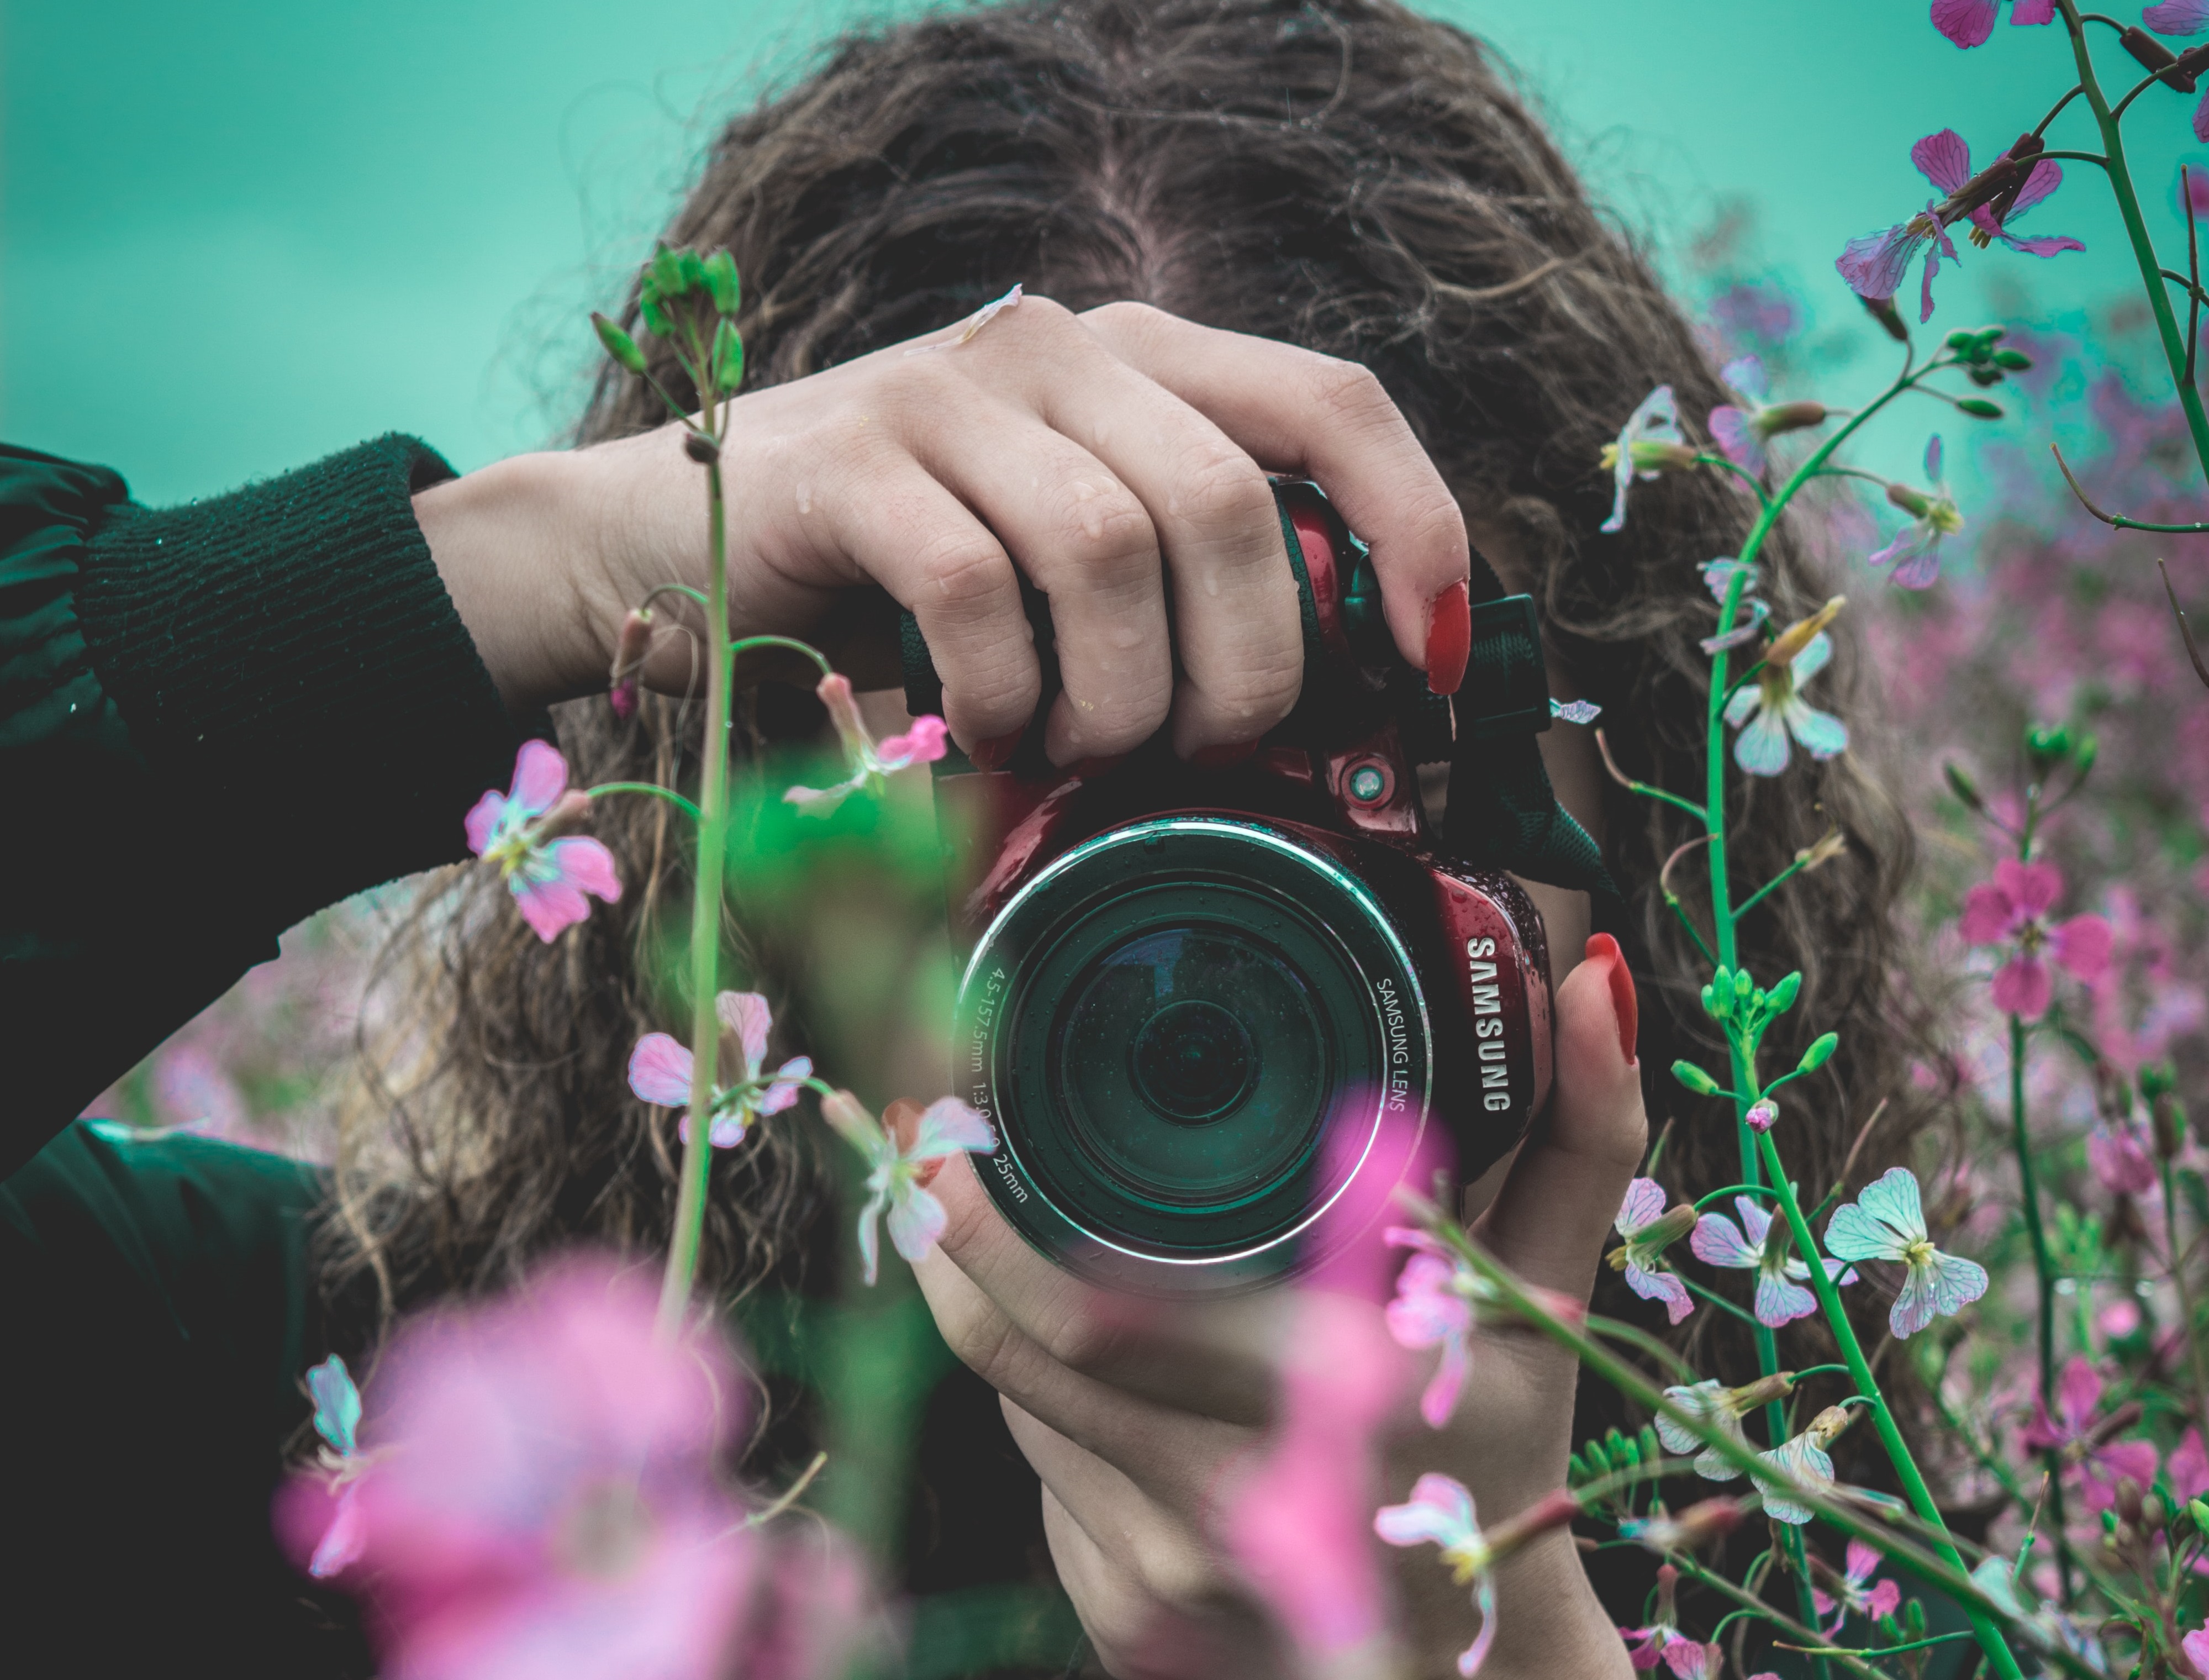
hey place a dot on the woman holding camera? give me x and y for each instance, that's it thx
(1255, 237)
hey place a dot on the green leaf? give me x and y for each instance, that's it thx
(728, 355)
(1696, 1079)
(1979, 408)
(1820, 1052)
(721, 281)
(619, 345)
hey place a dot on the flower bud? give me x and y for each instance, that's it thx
(1915, 503)
(1820, 1052)
(721, 282)
(1782, 995)
(2153, 1513)
(2169, 1124)
(619, 345)
(2154, 55)
(2194, 1508)
(1791, 416)
(1961, 784)
(1551, 1510)
(728, 356)
(1828, 1425)
(629, 661)
(1765, 1390)
(2158, 1078)
(1798, 635)
(1984, 377)
(701, 447)
(1883, 310)
(850, 1116)
(2047, 746)
(1962, 341)
(667, 273)
(1763, 1114)
(2084, 754)
(2015, 360)
(1829, 846)
(1979, 408)
(2127, 1498)
(1675, 1222)
(1696, 1079)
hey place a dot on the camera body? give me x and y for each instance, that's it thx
(1202, 1007)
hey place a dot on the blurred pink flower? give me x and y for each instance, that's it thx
(549, 878)
(1434, 1308)
(1648, 1230)
(1747, 1247)
(660, 1071)
(2011, 909)
(1740, 427)
(1299, 1522)
(1440, 1512)
(2120, 1160)
(1661, 1642)
(2098, 1463)
(1969, 22)
(1915, 549)
(1858, 1597)
(871, 761)
(2118, 1320)
(2188, 1466)
(900, 1170)
(542, 1498)
(2196, 1645)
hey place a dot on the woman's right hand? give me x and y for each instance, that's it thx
(1115, 459)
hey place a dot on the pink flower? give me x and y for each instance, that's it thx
(1299, 1523)
(1882, 1600)
(899, 1172)
(2120, 1160)
(1748, 1247)
(1661, 1642)
(1874, 265)
(542, 1498)
(1434, 1308)
(2196, 1645)
(2011, 909)
(1915, 549)
(923, 743)
(660, 1071)
(2188, 1468)
(1969, 22)
(548, 878)
(2098, 1464)
(1740, 427)
(1648, 1229)
(1649, 443)
(1440, 1512)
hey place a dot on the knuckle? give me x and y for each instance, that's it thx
(1254, 696)
(1082, 1341)
(1350, 392)
(1171, 1567)
(964, 573)
(1109, 532)
(1219, 485)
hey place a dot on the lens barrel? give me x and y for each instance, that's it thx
(1188, 1032)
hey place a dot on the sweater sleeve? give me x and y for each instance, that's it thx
(214, 720)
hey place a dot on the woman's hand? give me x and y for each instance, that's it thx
(1131, 1421)
(1115, 459)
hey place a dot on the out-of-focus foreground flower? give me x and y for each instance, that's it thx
(549, 878)
(902, 1160)
(542, 1496)
(660, 1070)
(870, 761)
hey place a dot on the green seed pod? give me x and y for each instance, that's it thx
(1820, 1052)
(1696, 1079)
(2017, 361)
(1987, 335)
(619, 345)
(721, 281)
(1979, 408)
(728, 356)
(667, 275)
(1784, 994)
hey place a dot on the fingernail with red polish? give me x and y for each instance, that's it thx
(992, 754)
(1090, 768)
(1218, 758)
(1602, 948)
(1449, 638)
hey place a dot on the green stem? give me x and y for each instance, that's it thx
(1882, 1416)
(1707, 459)
(1704, 1201)
(651, 787)
(1691, 1570)
(1777, 882)
(2043, 1270)
(1720, 1302)
(705, 918)
(2178, 1280)
(2128, 207)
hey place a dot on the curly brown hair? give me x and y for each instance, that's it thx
(1340, 174)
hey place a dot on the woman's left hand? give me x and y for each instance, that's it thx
(1131, 1418)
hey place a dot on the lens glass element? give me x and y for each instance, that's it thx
(1191, 1063)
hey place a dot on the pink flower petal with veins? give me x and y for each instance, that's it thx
(1966, 23)
(2177, 17)
(482, 819)
(2189, 1467)
(746, 1014)
(1944, 158)
(660, 1071)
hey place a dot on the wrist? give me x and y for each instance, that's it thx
(510, 542)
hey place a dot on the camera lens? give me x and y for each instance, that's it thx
(1187, 1031)
(1192, 1061)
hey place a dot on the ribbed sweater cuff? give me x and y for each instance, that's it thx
(288, 661)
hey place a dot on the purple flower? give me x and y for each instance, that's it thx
(1770, 709)
(1434, 1308)
(2177, 17)
(1802, 1461)
(1742, 427)
(2188, 1468)
(547, 877)
(2075, 1434)
(1649, 443)
(1875, 264)
(1441, 1511)
(337, 1420)
(542, 1498)
(660, 1070)
(2121, 1160)
(1750, 614)
(1648, 1229)
(1887, 1222)
(1969, 22)
(901, 1165)
(1661, 1642)
(1857, 1596)
(2011, 910)
(1933, 514)
(1751, 1247)
(870, 760)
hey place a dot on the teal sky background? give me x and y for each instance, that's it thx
(238, 234)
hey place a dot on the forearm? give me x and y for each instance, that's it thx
(1550, 1623)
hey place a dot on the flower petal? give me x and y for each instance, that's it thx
(540, 776)
(2177, 17)
(660, 1071)
(1746, 375)
(870, 1237)
(789, 1082)
(1660, 1286)
(1885, 1219)
(1440, 1512)
(2023, 986)
(2046, 175)
(1439, 1399)
(1762, 749)
(949, 1127)
(481, 820)
(1945, 1284)
(585, 864)
(1919, 568)
(1944, 158)
(548, 906)
(2189, 1467)
(337, 1404)
(1719, 1242)
(916, 1221)
(1933, 450)
(746, 1013)
(1644, 1204)
(1990, 915)
(2078, 1391)
(2082, 945)
(1779, 1302)
(1874, 263)
(921, 744)
(1966, 23)
(1817, 654)
(1737, 438)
